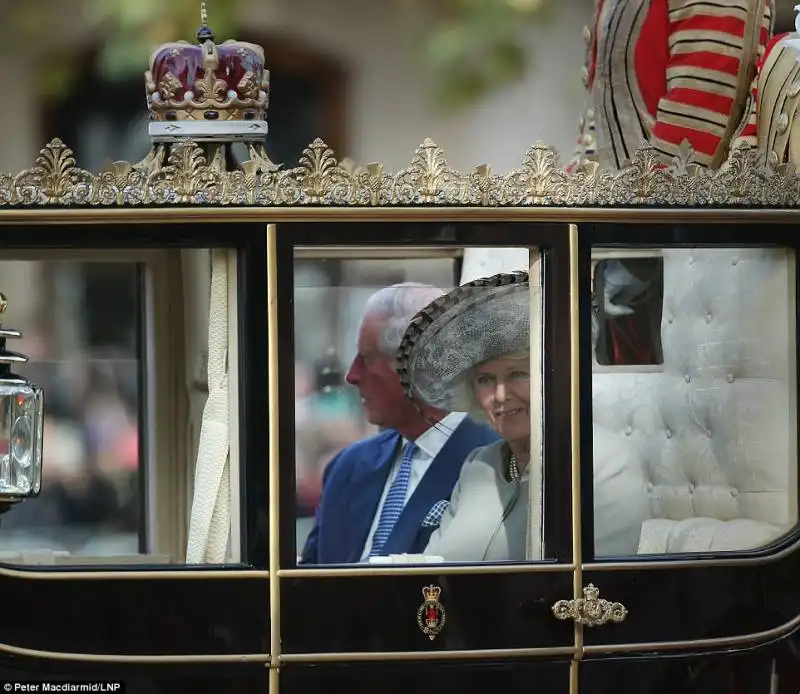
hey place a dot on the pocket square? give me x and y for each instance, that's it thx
(434, 516)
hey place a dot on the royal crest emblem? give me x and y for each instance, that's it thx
(431, 615)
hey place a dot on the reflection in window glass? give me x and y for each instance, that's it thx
(380, 470)
(80, 325)
(628, 297)
(702, 455)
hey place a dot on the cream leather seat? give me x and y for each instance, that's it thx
(714, 432)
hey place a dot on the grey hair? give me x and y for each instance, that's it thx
(397, 305)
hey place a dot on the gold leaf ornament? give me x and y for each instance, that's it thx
(185, 176)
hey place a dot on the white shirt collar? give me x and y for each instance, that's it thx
(434, 439)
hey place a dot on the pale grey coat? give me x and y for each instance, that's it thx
(487, 519)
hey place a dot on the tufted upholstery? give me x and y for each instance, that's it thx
(714, 431)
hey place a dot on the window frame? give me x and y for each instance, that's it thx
(166, 462)
(160, 520)
(660, 235)
(414, 239)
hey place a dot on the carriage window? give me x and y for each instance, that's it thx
(702, 455)
(81, 325)
(375, 470)
(120, 347)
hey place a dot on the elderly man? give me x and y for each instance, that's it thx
(386, 494)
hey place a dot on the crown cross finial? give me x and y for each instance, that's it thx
(204, 33)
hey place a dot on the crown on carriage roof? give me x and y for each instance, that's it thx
(207, 90)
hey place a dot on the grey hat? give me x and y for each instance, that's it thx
(470, 325)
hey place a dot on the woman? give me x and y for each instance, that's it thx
(468, 351)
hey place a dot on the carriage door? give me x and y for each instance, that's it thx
(411, 621)
(689, 440)
(142, 561)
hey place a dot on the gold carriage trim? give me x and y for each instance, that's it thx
(182, 175)
(591, 610)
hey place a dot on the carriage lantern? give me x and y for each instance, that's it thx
(21, 425)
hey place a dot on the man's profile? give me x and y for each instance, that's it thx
(386, 494)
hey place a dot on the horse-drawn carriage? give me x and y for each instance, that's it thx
(663, 336)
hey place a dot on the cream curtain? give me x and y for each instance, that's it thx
(209, 523)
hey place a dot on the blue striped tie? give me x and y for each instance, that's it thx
(395, 501)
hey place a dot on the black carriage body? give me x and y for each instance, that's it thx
(691, 621)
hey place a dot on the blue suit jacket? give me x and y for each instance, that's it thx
(353, 483)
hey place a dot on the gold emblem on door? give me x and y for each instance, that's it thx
(431, 615)
(591, 610)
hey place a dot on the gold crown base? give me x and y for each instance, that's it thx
(172, 111)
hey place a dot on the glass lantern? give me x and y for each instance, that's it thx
(21, 425)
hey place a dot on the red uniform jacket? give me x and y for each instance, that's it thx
(664, 71)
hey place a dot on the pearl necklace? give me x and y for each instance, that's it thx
(513, 469)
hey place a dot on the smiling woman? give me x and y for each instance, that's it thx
(469, 351)
(503, 389)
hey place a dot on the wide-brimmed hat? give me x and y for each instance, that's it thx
(470, 325)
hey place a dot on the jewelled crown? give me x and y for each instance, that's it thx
(209, 90)
(431, 593)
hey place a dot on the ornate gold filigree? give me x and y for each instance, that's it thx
(185, 176)
(211, 88)
(591, 610)
(248, 86)
(208, 93)
(168, 86)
